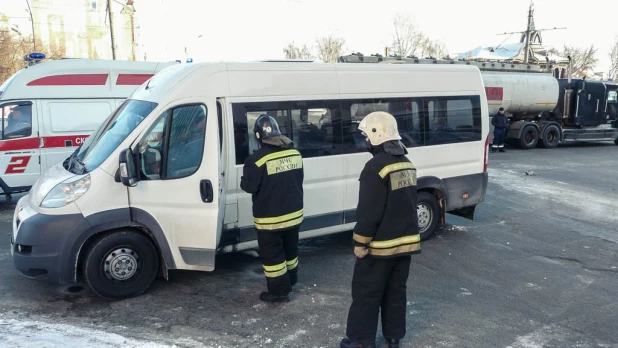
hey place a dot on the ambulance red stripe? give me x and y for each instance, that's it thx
(71, 80)
(48, 142)
(132, 79)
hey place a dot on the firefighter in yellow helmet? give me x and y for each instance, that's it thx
(385, 236)
(273, 175)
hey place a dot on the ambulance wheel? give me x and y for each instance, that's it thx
(121, 265)
(428, 213)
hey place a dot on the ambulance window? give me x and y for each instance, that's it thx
(16, 120)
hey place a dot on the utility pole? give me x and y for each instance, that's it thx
(32, 21)
(530, 31)
(111, 27)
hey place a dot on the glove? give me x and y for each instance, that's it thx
(361, 251)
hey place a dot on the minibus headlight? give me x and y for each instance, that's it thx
(66, 193)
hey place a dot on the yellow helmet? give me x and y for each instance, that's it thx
(379, 127)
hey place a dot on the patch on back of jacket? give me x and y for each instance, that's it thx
(402, 179)
(285, 164)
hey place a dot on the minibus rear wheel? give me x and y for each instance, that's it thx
(428, 213)
(120, 265)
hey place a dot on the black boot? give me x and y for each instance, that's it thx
(392, 343)
(268, 297)
(293, 278)
(348, 343)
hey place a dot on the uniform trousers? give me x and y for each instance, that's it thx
(279, 255)
(378, 284)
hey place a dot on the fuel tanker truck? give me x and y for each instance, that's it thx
(543, 110)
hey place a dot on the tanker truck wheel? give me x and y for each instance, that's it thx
(616, 141)
(529, 137)
(551, 137)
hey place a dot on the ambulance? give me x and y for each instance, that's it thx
(157, 186)
(50, 108)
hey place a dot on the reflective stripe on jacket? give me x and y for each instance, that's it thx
(274, 177)
(387, 221)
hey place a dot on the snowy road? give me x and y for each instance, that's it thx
(537, 268)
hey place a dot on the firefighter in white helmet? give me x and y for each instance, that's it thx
(385, 236)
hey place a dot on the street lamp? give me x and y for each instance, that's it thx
(32, 21)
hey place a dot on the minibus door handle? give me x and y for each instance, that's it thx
(206, 191)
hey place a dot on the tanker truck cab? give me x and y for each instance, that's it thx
(50, 108)
(157, 187)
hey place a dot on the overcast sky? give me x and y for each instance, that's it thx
(253, 30)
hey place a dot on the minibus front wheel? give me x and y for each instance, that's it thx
(120, 265)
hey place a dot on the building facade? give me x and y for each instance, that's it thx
(81, 28)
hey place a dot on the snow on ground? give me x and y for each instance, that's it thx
(37, 334)
(558, 195)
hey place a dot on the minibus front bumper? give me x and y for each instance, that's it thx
(43, 246)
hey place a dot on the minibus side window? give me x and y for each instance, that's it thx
(407, 112)
(16, 120)
(186, 141)
(313, 125)
(174, 146)
(452, 120)
(151, 151)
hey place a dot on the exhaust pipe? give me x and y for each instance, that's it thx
(570, 71)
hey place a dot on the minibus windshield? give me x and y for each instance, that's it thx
(111, 133)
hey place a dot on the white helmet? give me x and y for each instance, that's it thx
(379, 127)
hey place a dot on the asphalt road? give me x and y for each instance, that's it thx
(536, 268)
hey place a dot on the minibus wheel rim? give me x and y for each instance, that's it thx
(121, 264)
(424, 217)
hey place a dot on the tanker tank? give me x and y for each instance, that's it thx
(521, 95)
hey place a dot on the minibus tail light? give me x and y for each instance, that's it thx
(486, 154)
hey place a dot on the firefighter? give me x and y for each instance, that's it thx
(273, 175)
(385, 236)
(500, 121)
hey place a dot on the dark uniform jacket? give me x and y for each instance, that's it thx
(500, 121)
(387, 221)
(274, 175)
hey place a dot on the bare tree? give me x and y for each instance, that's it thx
(12, 53)
(613, 56)
(408, 39)
(330, 48)
(583, 60)
(15, 47)
(432, 48)
(295, 52)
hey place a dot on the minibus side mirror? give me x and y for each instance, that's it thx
(128, 171)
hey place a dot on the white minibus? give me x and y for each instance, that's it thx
(157, 186)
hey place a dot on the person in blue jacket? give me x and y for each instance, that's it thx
(500, 122)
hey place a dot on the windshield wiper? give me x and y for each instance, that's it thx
(81, 165)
